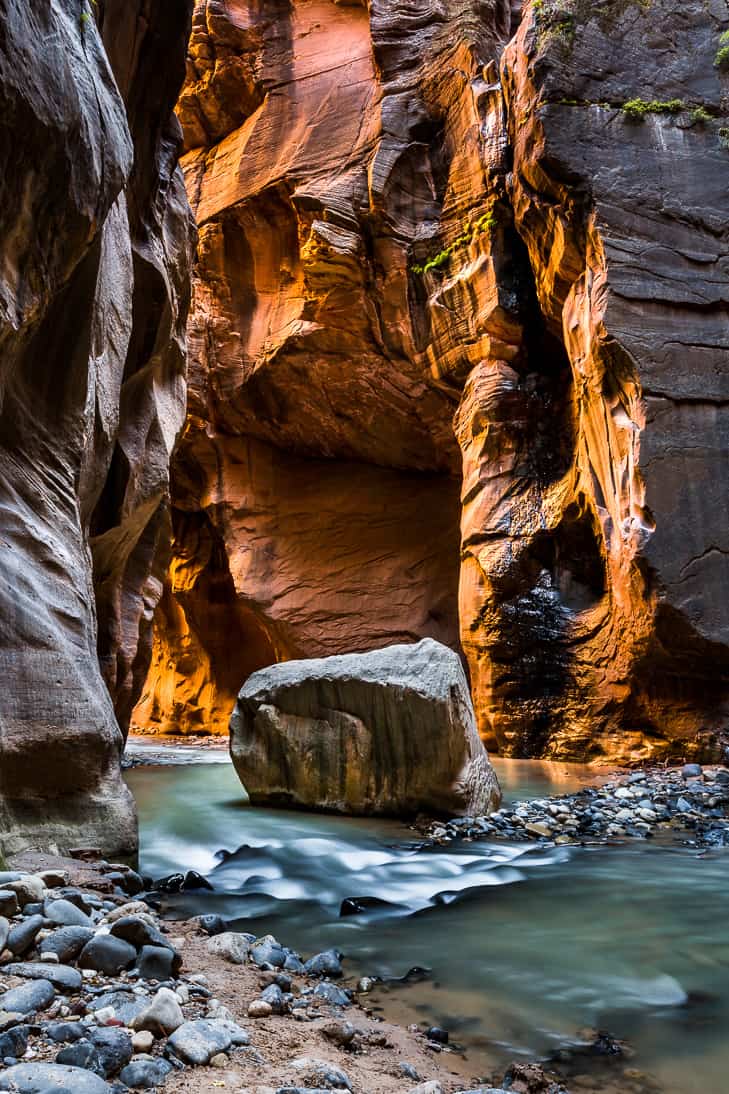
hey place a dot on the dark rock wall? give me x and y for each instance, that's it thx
(95, 244)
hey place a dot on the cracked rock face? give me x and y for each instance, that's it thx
(95, 241)
(433, 244)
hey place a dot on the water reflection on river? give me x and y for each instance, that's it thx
(525, 947)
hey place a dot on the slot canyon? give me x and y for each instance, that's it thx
(364, 546)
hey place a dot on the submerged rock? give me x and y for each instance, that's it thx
(390, 732)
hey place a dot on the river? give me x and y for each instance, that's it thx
(523, 947)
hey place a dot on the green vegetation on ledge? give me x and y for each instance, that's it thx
(636, 109)
(484, 224)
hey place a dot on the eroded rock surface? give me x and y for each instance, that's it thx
(431, 227)
(386, 732)
(316, 487)
(615, 558)
(95, 242)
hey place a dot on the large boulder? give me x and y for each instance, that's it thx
(390, 732)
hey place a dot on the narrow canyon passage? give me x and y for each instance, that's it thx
(364, 526)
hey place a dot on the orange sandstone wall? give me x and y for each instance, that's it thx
(438, 258)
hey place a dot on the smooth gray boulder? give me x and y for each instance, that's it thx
(387, 732)
(197, 1042)
(41, 1078)
(28, 998)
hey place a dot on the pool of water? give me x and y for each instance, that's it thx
(524, 947)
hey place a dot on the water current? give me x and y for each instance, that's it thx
(521, 948)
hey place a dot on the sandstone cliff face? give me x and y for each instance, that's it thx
(620, 557)
(316, 488)
(428, 227)
(95, 241)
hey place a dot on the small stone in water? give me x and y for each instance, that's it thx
(435, 1033)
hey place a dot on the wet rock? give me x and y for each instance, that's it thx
(64, 1032)
(23, 935)
(67, 942)
(62, 977)
(14, 1042)
(691, 771)
(139, 931)
(194, 881)
(145, 1074)
(415, 695)
(82, 1054)
(440, 1036)
(330, 993)
(124, 1006)
(431, 1087)
(212, 924)
(66, 914)
(163, 1015)
(275, 998)
(28, 998)
(4, 932)
(408, 1071)
(107, 954)
(156, 963)
(327, 963)
(267, 951)
(51, 1079)
(198, 1041)
(113, 1048)
(293, 964)
(231, 946)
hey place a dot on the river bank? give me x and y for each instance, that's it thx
(687, 804)
(100, 995)
(524, 943)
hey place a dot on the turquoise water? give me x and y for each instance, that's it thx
(524, 947)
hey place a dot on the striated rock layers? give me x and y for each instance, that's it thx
(476, 225)
(386, 732)
(95, 237)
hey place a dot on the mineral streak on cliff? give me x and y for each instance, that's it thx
(429, 223)
(95, 241)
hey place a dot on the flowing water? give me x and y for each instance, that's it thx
(523, 947)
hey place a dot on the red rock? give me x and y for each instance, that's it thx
(413, 216)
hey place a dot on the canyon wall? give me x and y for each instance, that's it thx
(463, 257)
(95, 249)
